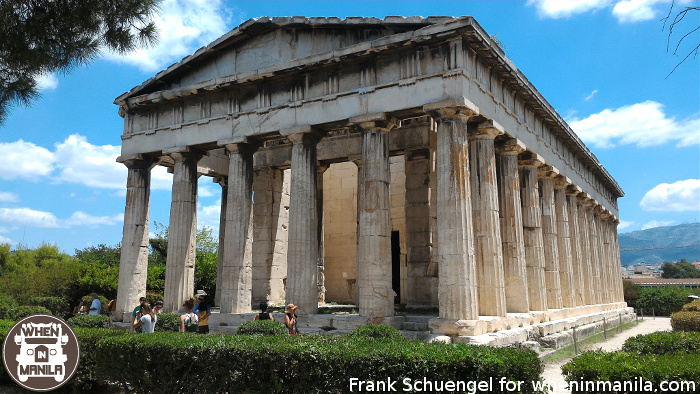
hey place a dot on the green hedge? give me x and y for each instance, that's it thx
(377, 331)
(167, 322)
(692, 307)
(296, 363)
(57, 305)
(685, 321)
(663, 343)
(90, 321)
(23, 311)
(263, 327)
(608, 368)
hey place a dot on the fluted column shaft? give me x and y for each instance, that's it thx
(564, 243)
(620, 294)
(488, 251)
(586, 261)
(578, 271)
(532, 231)
(303, 242)
(237, 281)
(182, 232)
(551, 248)
(133, 263)
(595, 255)
(375, 293)
(223, 182)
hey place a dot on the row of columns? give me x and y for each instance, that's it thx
(514, 235)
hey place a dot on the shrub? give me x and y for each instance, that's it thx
(90, 321)
(663, 343)
(377, 331)
(7, 304)
(685, 321)
(263, 327)
(664, 300)
(152, 298)
(692, 307)
(23, 311)
(87, 301)
(57, 305)
(167, 322)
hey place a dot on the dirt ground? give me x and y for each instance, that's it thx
(552, 372)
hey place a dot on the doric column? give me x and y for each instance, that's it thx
(133, 263)
(457, 285)
(488, 250)
(223, 182)
(595, 253)
(375, 293)
(575, 233)
(321, 266)
(182, 233)
(607, 266)
(584, 203)
(237, 281)
(511, 217)
(566, 270)
(303, 242)
(620, 294)
(549, 233)
(532, 230)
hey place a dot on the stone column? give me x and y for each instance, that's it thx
(321, 266)
(303, 242)
(549, 232)
(595, 254)
(223, 182)
(583, 203)
(457, 288)
(375, 293)
(575, 233)
(566, 270)
(607, 267)
(237, 275)
(532, 230)
(511, 217)
(133, 263)
(182, 233)
(620, 294)
(418, 230)
(488, 250)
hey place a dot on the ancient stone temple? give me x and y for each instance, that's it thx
(373, 162)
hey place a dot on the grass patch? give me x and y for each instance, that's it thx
(584, 344)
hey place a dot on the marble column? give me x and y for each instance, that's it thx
(532, 230)
(375, 293)
(223, 182)
(583, 203)
(182, 232)
(237, 271)
(566, 269)
(620, 294)
(511, 218)
(303, 242)
(549, 233)
(578, 271)
(321, 265)
(133, 263)
(457, 285)
(608, 276)
(595, 253)
(488, 250)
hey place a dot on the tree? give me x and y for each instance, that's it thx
(679, 270)
(39, 37)
(674, 23)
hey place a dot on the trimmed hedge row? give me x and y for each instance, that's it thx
(685, 321)
(663, 343)
(262, 327)
(692, 307)
(90, 321)
(620, 367)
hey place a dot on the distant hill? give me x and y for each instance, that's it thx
(659, 244)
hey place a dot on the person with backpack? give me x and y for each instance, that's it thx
(203, 312)
(189, 321)
(264, 314)
(290, 319)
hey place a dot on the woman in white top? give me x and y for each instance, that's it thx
(189, 321)
(148, 320)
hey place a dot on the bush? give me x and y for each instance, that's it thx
(692, 307)
(7, 304)
(87, 301)
(263, 327)
(664, 300)
(23, 311)
(90, 321)
(685, 321)
(167, 322)
(57, 305)
(609, 368)
(377, 331)
(663, 343)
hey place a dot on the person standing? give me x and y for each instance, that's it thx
(136, 314)
(147, 321)
(264, 314)
(158, 308)
(202, 311)
(96, 306)
(189, 321)
(290, 319)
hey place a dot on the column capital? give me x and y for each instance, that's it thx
(137, 161)
(305, 134)
(184, 153)
(381, 121)
(510, 146)
(486, 130)
(529, 159)
(598, 209)
(547, 171)
(220, 180)
(584, 199)
(459, 108)
(561, 182)
(573, 190)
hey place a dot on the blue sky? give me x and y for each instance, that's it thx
(602, 65)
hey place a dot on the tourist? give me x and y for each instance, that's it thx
(96, 306)
(136, 314)
(147, 321)
(202, 310)
(290, 319)
(158, 308)
(264, 314)
(80, 309)
(189, 321)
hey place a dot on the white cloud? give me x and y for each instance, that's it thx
(161, 179)
(47, 82)
(92, 165)
(643, 124)
(18, 217)
(209, 216)
(183, 26)
(204, 190)
(563, 9)
(657, 223)
(676, 197)
(8, 197)
(24, 160)
(5, 240)
(624, 224)
(590, 96)
(83, 219)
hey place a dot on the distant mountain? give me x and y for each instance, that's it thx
(659, 244)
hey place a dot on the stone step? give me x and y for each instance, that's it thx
(414, 326)
(419, 319)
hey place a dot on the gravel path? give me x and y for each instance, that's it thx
(552, 372)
